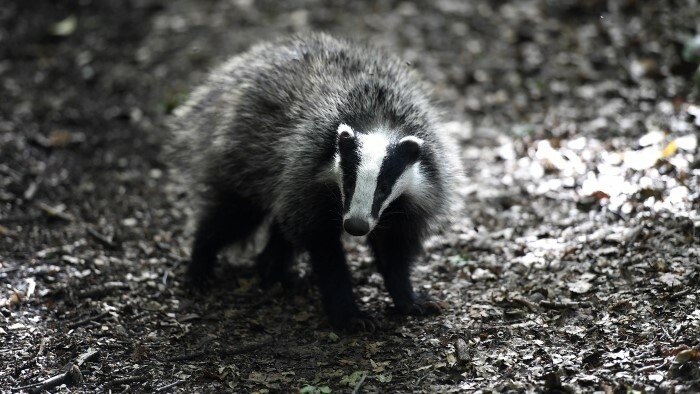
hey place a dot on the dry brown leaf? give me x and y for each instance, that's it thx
(669, 150)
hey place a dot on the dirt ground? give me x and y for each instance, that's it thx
(575, 266)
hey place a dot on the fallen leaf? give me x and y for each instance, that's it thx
(599, 195)
(384, 378)
(669, 279)
(60, 138)
(245, 284)
(684, 356)
(65, 27)
(642, 159)
(482, 274)
(5, 231)
(580, 286)
(309, 389)
(669, 150)
(15, 299)
(451, 359)
(676, 350)
(302, 316)
(353, 379)
(691, 50)
(687, 143)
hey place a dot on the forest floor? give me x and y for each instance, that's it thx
(575, 266)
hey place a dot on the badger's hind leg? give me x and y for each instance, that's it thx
(275, 261)
(396, 245)
(223, 221)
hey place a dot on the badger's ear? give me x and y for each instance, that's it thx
(346, 135)
(410, 147)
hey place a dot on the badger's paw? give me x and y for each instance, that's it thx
(355, 322)
(198, 282)
(421, 306)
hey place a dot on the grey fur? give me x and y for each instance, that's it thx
(261, 124)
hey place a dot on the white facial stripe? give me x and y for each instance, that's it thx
(410, 182)
(412, 138)
(345, 128)
(335, 166)
(373, 149)
(336, 173)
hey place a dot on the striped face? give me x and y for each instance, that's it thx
(375, 169)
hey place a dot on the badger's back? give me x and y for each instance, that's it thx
(264, 123)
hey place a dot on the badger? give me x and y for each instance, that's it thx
(313, 137)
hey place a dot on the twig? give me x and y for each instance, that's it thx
(90, 353)
(565, 304)
(9, 269)
(55, 213)
(16, 175)
(4, 231)
(221, 353)
(171, 385)
(679, 294)
(421, 378)
(46, 384)
(31, 190)
(357, 386)
(104, 240)
(42, 346)
(648, 368)
(126, 380)
(529, 270)
(526, 303)
(102, 289)
(187, 356)
(72, 375)
(87, 320)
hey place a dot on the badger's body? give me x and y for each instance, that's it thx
(321, 136)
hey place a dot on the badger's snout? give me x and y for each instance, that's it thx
(356, 226)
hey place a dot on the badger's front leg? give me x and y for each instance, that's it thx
(335, 282)
(396, 246)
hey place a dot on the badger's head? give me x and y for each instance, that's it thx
(374, 169)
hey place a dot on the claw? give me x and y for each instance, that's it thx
(356, 322)
(422, 307)
(365, 323)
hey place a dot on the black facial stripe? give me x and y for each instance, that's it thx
(349, 162)
(393, 165)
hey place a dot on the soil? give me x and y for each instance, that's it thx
(574, 266)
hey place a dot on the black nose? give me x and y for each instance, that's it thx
(356, 227)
